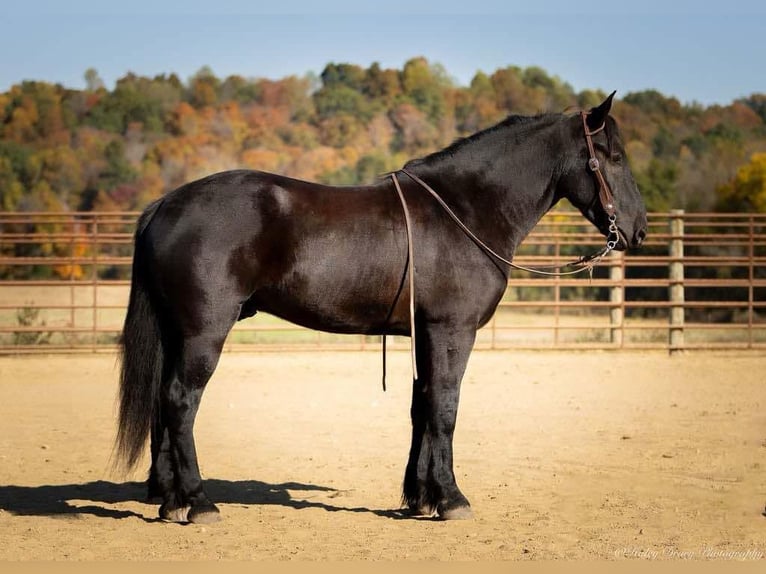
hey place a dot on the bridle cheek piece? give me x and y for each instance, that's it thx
(604, 191)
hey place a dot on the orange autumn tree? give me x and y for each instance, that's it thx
(120, 147)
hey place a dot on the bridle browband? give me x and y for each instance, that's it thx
(587, 262)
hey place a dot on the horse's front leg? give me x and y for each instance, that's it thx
(429, 482)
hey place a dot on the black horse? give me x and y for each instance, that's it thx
(220, 249)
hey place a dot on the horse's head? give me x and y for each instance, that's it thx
(597, 180)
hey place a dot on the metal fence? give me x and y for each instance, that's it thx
(698, 282)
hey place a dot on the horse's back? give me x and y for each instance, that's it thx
(323, 256)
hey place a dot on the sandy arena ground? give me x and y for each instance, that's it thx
(563, 456)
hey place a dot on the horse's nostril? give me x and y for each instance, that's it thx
(640, 236)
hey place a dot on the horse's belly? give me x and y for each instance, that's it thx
(342, 306)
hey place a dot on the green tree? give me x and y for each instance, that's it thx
(339, 99)
(425, 85)
(757, 102)
(93, 82)
(33, 113)
(136, 100)
(11, 190)
(658, 185)
(62, 170)
(203, 88)
(511, 93)
(118, 169)
(476, 107)
(654, 103)
(371, 166)
(348, 75)
(746, 192)
(238, 89)
(382, 85)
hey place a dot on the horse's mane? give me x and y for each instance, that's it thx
(512, 121)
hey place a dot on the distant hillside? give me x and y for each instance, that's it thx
(64, 149)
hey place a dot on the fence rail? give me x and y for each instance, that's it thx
(698, 282)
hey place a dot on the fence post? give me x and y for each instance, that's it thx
(94, 281)
(616, 298)
(751, 282)
(556, 292)
(676, 281)
(72, 300)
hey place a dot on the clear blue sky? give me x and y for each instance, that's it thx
(709, 52)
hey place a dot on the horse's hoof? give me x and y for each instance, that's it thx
(175, 514)
(424, 511)
(207, 514)
(418, 511)
(457, 513)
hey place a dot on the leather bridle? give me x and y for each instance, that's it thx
(604, 191)
(584, 263)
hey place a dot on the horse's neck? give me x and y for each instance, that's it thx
(499, 191)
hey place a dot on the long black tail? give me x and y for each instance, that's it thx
(142, 358)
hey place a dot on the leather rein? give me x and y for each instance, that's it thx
(584, 263)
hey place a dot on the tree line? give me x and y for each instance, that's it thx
(64, 149)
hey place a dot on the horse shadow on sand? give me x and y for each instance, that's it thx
(94, 498)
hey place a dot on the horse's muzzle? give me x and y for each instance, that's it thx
(638, 238)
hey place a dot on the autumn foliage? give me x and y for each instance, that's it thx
(63, 149)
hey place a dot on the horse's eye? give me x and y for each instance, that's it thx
(616, 157)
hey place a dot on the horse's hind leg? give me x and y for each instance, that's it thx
(180, 401)
(429, 481)
(161, 478)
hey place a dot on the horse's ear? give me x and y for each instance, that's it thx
(597, 115)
